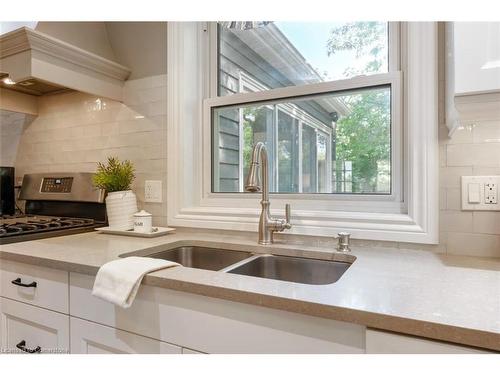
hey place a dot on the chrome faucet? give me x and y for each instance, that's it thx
(267, 224)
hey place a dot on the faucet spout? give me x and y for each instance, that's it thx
(267, 224)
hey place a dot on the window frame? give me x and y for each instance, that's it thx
(394, 202)
(394, 66)
(191, 204)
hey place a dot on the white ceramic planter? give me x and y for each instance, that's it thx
(121, 207)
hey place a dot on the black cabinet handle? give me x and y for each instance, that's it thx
(19, 283)
(22, 346)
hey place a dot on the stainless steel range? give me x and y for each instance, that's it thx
(56, 204)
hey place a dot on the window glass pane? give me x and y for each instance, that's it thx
(329, 143)
(288, 153)
(282, 54)
(309, 159)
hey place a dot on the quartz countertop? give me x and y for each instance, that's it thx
(421, 293)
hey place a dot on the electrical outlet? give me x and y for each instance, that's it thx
(490, 193)
(152, 191)
(480, 193)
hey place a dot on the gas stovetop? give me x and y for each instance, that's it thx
(27, 227)
(56, 204)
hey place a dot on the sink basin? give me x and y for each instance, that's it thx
(294, 269)
(202, 257)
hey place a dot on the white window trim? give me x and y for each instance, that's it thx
(191, 204)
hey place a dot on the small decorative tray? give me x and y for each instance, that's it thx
(157, 231)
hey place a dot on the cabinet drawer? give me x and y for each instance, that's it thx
(51, 290)
(93, 338)
(26, 328)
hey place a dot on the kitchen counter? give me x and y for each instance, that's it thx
(449, 298)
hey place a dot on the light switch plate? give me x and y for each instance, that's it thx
(480, 193)
(152, 191)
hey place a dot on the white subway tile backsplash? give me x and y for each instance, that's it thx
(74, 131)
(450, 176)
(474, 244)
(487, 132)
(453, 199)
(480, 154)
(458, 221)
(442, 198)
(486, 222)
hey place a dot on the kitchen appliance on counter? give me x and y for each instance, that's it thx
(57, 204)
(7, 196)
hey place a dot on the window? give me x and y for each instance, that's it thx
(308, 154)
(408, 213)
(339, 142)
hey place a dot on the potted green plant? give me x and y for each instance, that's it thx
(116, 178)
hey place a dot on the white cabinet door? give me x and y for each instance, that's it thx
(39, 286)
(379, 342)
(93, 338)
(30, 329)
(476, 57)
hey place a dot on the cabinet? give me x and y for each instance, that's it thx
(30, 329)
(39, 286)
(380, 342)
(476, 57)
(93, 338)
(212, 325)
(472, 72)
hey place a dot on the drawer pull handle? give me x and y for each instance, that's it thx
(19, 283)
(22, 346)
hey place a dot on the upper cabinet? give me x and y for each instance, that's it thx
(472, 71)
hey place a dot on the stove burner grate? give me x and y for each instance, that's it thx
(34, 225)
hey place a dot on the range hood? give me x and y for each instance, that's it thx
(37, 64)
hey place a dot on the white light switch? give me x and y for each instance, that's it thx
(152, 191)
(474, 193)
(480, 193)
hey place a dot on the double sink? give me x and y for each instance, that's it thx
(277, 267)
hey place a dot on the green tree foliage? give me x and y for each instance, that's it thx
(363, 136)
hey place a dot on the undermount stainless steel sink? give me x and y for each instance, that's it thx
(202, 257)
(294, 269)
(268, 266)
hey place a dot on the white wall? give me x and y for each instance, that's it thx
(74, 131)
(141, 46)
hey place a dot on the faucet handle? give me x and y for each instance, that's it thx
(288, 216)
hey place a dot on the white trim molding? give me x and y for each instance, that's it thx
(412, 217)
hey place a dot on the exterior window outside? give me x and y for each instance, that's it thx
(331, 143)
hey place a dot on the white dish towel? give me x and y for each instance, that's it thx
(118, 281)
